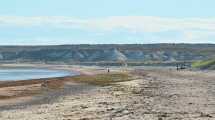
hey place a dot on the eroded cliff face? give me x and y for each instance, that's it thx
(97, 53)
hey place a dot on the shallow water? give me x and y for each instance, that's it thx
(7, 74)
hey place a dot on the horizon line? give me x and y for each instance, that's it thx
(110, 44)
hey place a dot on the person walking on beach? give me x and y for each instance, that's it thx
(108, 70)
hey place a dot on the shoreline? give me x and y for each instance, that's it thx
(29, 92)
(23, 91)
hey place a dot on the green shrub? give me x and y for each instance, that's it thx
(205, 64)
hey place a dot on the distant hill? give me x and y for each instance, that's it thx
(70, 54)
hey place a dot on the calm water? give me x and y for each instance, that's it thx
(31, 73)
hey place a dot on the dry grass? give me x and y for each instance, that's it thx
(103, 79)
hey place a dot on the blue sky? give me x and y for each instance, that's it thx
(40, 22)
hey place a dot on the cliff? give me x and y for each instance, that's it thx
(109, 53)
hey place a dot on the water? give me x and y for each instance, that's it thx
(7, 74)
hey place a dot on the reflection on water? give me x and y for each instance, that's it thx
(31, 73)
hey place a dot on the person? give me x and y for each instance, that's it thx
(108, 70)
(177, 67)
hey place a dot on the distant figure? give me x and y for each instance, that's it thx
(177, 67)
(181, 66)
(108, 70)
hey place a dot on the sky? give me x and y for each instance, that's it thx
(54, 22)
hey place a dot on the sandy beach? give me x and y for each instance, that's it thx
(156, 94)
